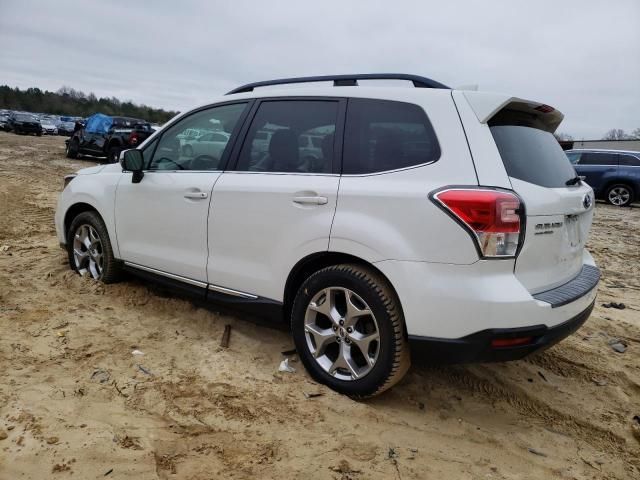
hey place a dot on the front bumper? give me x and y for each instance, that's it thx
(478, 347)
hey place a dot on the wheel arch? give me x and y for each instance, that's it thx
(634, 186)
(73, 211)
(317, 261)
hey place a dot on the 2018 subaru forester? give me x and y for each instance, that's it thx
(447, 220)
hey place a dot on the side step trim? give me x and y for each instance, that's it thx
(230, 291)
(190, 281)
(172, 276)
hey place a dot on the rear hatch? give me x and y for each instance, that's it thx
(558, 207)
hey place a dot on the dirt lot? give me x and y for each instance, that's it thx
(76, 403)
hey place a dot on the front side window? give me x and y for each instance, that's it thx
(278, 139)
(179, 149)
(382, 135)
(598, 158)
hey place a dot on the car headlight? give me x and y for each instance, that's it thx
(67, 179)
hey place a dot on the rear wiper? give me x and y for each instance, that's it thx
(573, 181)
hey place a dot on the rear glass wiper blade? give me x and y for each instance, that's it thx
(573, 181)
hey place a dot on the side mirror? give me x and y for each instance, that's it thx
(132, 161)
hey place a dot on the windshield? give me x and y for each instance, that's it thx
(25, 118)
(533, 155)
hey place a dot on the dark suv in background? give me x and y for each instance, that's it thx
(106, 136)
(614, 175)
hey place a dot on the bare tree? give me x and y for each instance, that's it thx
(635, 134)
(615, 134)
(563, 137)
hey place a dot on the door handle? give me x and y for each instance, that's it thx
(196, 195)
(311, 200)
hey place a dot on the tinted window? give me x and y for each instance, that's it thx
(383, 135)
(25, 118)
(277, 140)
(629, 160)
(533, 155)
(598, 158)
(178, 150)
(148, 152)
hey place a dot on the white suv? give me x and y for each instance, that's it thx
(443, 219)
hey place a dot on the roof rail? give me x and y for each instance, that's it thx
(344, 81)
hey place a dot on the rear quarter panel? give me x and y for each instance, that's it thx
(388, 216)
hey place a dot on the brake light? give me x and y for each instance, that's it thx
(133, 138)
(491, 216)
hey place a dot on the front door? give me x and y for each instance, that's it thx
(161, 222)
(276, 206)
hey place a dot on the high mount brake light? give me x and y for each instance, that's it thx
(492, 217)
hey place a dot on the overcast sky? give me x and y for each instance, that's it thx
(581, 56)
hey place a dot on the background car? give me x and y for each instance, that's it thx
(614, 175)
(211, 143)
(48, 126)
(4, 122)
(66, 128)
(22, 123)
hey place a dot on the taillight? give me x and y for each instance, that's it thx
(491, 216)
(133, 138)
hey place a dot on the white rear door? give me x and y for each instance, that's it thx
(278, 205)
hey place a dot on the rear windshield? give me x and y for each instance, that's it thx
(533, 155)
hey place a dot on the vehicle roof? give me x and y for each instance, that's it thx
(603, 150)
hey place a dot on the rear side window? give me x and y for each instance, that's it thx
(533, 155)
(598, 158)
(629, 160)
(382, 135)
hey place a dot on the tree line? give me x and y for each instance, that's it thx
(75, 103)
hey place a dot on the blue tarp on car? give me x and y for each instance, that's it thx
(98, 123)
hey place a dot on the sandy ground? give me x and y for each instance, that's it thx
(76, 403)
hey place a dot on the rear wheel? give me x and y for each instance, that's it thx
(89, 248)
(620, 195)
(113, 155)
(348, 329)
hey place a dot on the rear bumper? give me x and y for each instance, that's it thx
(477, 347)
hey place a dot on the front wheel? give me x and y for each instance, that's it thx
(348, 329)
(89, 248)
(620, 195)
(72, 149)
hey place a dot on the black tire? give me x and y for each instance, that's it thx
(39, 134)
(113, 154)
(72, 148)
(620, 195)
(111, 268)
(393, 358)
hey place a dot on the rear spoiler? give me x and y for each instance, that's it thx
(487, 105)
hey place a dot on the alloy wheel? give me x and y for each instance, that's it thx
(342, 333)
(87, 251)
(619, 196)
